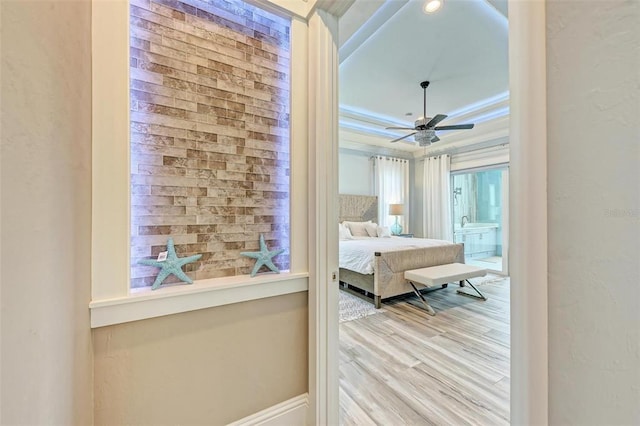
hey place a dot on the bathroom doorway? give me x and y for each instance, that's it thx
(480, 216)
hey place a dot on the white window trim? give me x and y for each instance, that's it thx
(112, 299)
(145, 303)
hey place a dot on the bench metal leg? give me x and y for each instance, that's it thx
(479, 296)
(428, 307)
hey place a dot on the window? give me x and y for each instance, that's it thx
(392, 187)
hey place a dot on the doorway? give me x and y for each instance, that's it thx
(480, 202)
(527, 226)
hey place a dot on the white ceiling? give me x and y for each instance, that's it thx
(388, 47)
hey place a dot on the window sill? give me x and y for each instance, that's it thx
(145, 303)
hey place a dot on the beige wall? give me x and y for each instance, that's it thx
(594, 211)
(211, 366)
(46, 199)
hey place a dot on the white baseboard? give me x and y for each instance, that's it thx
(292, 412)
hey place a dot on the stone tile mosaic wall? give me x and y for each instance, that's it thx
(209, 134)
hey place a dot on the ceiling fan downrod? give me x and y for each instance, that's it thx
(424, 86)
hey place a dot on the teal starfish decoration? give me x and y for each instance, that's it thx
(173, 265)
(263, 257)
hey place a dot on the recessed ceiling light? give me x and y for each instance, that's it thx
(432, 6)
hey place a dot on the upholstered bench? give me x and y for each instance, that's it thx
(442, 275)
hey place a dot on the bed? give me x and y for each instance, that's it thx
(380, 263)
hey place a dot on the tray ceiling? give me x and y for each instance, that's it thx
(388, 47)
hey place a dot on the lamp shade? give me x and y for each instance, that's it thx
(396, 209)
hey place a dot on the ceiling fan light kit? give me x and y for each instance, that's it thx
(425, 127)
(432, 6)
(424, 139)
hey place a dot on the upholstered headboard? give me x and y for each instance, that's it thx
(358, 208)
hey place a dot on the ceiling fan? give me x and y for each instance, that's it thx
(425, 129)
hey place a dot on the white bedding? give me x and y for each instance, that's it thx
(358, 254)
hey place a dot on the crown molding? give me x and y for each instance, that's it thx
(366, 122)
(365, 131)
(352, 148)
(336, 8)
(369, 23)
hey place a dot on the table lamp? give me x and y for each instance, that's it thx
(396, 210)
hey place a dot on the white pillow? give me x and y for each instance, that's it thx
(372, 229)
(348, 223)
(358, 229)
(344, 233)
(384, 232)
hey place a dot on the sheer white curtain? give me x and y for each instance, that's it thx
(437, 198)
(392, 187)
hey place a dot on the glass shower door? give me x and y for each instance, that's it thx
(479, 216)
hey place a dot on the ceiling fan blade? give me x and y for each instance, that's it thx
(435, 120)
(404, 137)
(399, 128)
(455, 127)
(435, 139)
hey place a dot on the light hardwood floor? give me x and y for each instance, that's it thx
(404, 367)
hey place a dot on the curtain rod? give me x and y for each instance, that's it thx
(435, 156)
(373, 157)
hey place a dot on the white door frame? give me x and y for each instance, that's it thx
(323, 218)
(527, 222)
(528, 212)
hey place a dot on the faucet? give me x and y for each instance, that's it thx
(462, 221)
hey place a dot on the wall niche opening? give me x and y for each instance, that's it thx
(210, 135)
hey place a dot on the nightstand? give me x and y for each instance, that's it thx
(404, 235)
